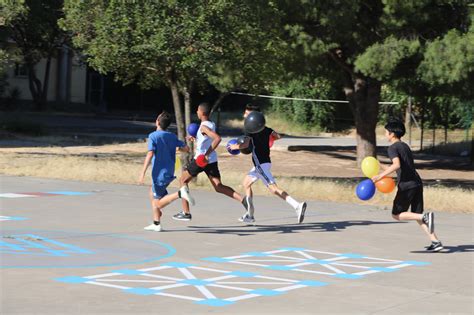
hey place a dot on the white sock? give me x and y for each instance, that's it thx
(292, 202)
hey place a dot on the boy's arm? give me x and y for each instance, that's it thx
(275, 135)
(392, 168)
(148, 158)
(183, 149)
(216, 139)
(240, 146)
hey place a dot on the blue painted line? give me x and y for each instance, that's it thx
(351, 255)
(214, 302)
(75, 249)
(383, 269)
(177, 265)
(196, 282)
(243, 274)
(141, 291)
(265, 292)
(293, 249)
(11, 246)
(276, 267)
(415, 263)
(14, 218)
(171, 252)
(311, 283)
(73, 279)
(129, 272)
(216, 259)
(69, 193)
(347, 276)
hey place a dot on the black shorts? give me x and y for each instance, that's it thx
(211, 169)
(405, 198)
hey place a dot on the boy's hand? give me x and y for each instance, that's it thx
(141, 179)
(376, 178)
(190, 138)
(234, 146)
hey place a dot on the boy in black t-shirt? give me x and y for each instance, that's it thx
(262, 170)
(410, 186)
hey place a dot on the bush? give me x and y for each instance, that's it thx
(309, 115)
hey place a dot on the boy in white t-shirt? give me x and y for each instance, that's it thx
(206, 142)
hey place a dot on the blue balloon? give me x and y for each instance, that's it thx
(365, 190)
(193, 129)
(231, 142)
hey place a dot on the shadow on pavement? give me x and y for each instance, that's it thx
(280, 229)
(450, 250)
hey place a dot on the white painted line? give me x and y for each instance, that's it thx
(293, 287)
(130, 280)
(220, 278)
(171, 286)
(243, 282)
(209, 269)
(306, 255)
(187, 273)
(352, 266)
(179, 296)
(332, 268)
(160, 277)
(108, 285)
(103, 275)
(242, 297)
(205, 291)
(155, 268)
(12, 195)
(277, 279)
(313, 271)
(229, 287)
(319, 252)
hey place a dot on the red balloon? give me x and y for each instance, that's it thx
(386, 185)
(201, 161)
(271, 140)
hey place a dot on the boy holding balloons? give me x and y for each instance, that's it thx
(205, 160)
(161, 154)
(410, 186)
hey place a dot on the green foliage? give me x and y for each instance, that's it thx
(309, 115)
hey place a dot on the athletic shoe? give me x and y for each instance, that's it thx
(153, 227)
(435, 247)
(300, 212)
(246, 218)
(181, 216)
(184, 193)
(428, 219)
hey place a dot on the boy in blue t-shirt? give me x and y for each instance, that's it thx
(161, 154)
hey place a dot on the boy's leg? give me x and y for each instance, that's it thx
(185, 214)
(223, 189)
(186, 177)
(248, 182)
(154, 207)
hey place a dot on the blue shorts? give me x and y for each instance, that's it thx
(159, 191)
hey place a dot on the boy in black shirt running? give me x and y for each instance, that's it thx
(262, 170)
(410, 186)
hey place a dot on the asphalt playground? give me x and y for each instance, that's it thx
(79, 248)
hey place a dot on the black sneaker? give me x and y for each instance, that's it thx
(181, 216)
(435, 247)
(428, 219)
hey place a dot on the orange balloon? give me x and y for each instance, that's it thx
(386, 185)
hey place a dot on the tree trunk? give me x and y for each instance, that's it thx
(364, 97)
(44, 91)
(178, 112)
(187, 116)
(423, 105)
(35, 86)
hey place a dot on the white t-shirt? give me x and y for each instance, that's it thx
(203, 142)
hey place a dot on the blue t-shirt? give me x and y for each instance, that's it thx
(163, 144)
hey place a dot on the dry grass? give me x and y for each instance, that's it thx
(126, 171)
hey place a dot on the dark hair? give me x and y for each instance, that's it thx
(206, 108)
(164, 119)
(252, 107)
(396, 127)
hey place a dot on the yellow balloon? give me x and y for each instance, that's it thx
(370, 166)
(177, 165)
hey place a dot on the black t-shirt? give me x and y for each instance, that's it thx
(407, 175)
(261, 145)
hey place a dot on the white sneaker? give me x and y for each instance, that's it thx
(300, 212)
(153, 227)
(185, 195)
(246, 218)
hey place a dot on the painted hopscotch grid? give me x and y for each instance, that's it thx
(30, 244)
(213, 287)
(344, 266)
(44, 194)
(7, 218)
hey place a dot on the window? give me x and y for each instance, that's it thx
(21, 70)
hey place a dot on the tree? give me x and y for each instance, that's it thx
(37, 35)
(179, 43)
(371, 43)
